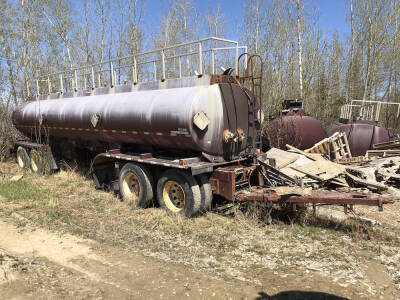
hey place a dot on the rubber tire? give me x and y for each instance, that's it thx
(206, 192)
(39, 164)
(146, 188)
(190, 187)
(150, 184)
(26, 160)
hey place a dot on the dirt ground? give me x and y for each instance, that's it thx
(62, 239)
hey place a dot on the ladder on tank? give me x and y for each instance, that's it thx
(255, 77)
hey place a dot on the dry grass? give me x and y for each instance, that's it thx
(7, 132)
(239, 247)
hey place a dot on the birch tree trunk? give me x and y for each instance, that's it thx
(299, 46)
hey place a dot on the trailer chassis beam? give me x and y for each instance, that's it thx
(316, 197)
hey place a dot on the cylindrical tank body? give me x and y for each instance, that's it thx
(164, 118)
(296, 129)
(361, 135)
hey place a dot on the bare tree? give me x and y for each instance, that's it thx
(299, 46)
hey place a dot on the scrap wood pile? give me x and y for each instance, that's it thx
(330, 167)
(387, 149)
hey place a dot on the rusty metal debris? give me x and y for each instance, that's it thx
(325, 174)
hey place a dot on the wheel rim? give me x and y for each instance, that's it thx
(35, 162)
(174, 196)
(21, 159)
(130, 186)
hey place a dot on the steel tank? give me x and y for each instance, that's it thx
(212, 119)
(293, 128)
(362, 135)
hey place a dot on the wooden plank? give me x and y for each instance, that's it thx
(386, 145)
(367, 183)
(325, 170)
(383, 153)
(311, 175)
(294, 149)
(282, 158)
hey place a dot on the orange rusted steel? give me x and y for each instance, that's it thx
(316, 197)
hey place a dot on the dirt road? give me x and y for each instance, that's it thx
(39, 264)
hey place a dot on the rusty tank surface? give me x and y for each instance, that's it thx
(293, 127)
(211, 118)
(362, 135)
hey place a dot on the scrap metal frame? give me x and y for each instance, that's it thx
(315, 197)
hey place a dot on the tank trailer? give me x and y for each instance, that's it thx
(163, 127)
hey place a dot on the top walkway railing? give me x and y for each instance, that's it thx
(387, 113)
(185, 59)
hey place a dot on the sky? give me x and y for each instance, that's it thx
(331, 14)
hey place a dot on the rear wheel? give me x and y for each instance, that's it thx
(179, 192)
(22, 158)
(135, 185)
(36, 161)
(205, 191)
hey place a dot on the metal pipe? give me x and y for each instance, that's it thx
(245, 59)
(212, 62)
(167, 48)
(237, 60)
(226, 48)
(157, 60)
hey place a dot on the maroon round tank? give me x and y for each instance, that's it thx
(361, 135)
(294, 128)
(212, 119)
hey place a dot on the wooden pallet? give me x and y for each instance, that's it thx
(336, 147)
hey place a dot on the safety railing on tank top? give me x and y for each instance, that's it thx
(194, 58)
(387, 113)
